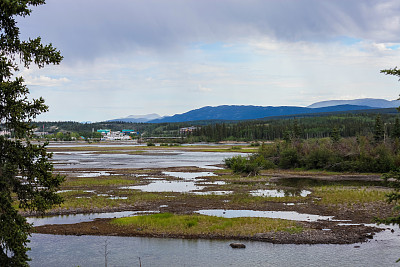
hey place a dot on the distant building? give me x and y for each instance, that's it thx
(125, 131)
(103, 131)
(187, 129)
(113, 135)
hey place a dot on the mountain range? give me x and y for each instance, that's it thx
(238, 112)
(139, 118)
(370, 102)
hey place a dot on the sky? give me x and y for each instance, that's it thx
(167, 57)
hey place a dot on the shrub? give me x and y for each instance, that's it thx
(359, 154)
(241, 164)
(255, 144)
(384, 160)
(262, 162)
(289, 158)
(319, 158)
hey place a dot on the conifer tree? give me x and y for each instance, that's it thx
(25, 172)
(335, 135)
(379, 132)
(393, 177)
(396, 129)
(296, 129)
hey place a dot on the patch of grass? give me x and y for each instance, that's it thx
(98, 181)
(346, 195)
(86, 201)
(167, 223)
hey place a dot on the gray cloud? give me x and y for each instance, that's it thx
(86, 29)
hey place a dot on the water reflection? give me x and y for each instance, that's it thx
(280, 193)
(94, 174)
(78, 218)
(189, 175)
(53, 250)
(217, 193)
(166, 186)
(158, 159)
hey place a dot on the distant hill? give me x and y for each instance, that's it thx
(237, 112)
(226, 112)
(370, 102)
(139, 118)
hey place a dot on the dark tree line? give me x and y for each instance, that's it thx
(346, 125)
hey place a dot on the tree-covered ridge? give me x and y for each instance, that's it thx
(347, 125)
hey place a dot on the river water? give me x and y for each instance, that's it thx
(58, 250)
(157, 159)
(55, 250)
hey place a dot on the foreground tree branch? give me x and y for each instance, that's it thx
(26, 179)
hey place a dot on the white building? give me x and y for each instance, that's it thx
(109, 135)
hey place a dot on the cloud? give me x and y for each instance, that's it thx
(84, 30)
(168, 57)
(203, 89)
(45, 81)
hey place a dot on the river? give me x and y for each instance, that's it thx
(58, 250)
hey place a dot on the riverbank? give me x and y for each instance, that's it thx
(350, 215)
(182, 182)
(321, 232)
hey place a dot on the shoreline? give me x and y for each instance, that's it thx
(321, 232)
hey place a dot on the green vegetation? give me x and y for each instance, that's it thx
(361, 154)
(345, 195)
(25, 170)
(302, 127)
(392, 179)
(99, 181)
(81, 199)
(167, 223)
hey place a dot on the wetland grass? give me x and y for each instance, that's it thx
(88, 200)
(100, 181)
(168, 223)
(348, 195)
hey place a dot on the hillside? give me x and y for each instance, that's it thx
(370, 102)
(249, 112)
